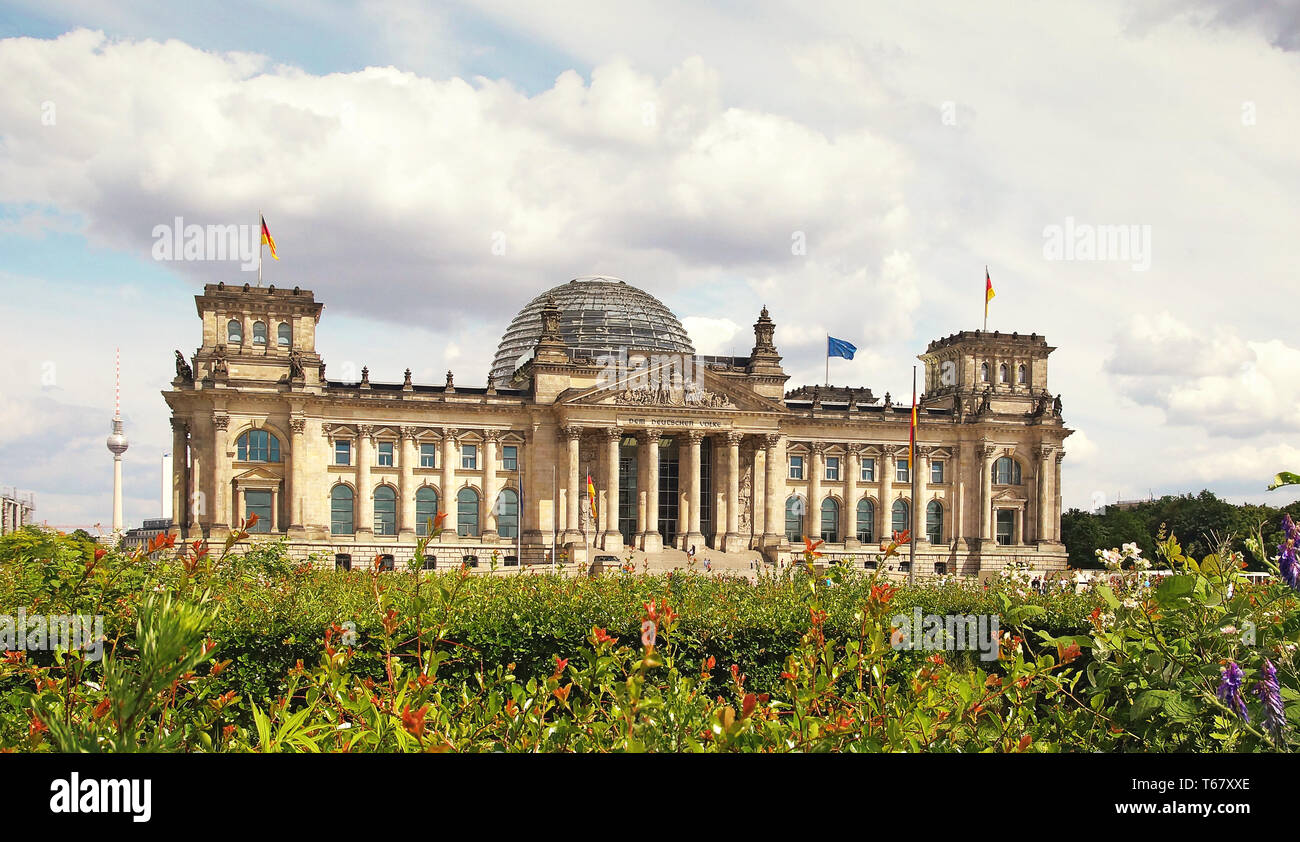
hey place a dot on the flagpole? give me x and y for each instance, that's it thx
(986, 298)
(259, 248)
(828, 360)
(911, 468)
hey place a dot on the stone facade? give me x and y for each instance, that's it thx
(681, 451)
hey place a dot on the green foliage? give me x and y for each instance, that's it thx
(250, 652)
(1202, 521)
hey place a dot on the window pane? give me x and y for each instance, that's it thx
(934, 522)
(901, 473)
(508, 514)
(341, 511)
(385, 511)
(899, 519)
(794, 518)
(342, 453)
(234, 332)
(469, 456)
(832, 467)
(510, 457)
(868, 470)
(467, 512)
(283, 334)
(936, 472)
(866, 521)
(426, 509)
(259, 333)
(386, 454)
(830, 520)
(796, 467)
(258, 503)
(1006, 525)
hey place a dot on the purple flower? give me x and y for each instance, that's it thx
(1271, 695)
(1230, 690)
(1287, 562)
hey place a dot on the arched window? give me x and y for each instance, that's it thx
(866, 521)
(234, 332)
(900, 522)
(467, 512)
(1022, 375)
(341, 511)
(984, 372)
(385, 510)
(934, 522)
(830, 520)
(1003, 374)
(507, 513)
(426, 510)
(257, 446)
(1006, 471)
(794, 518)
(259, 333)
(283, 335)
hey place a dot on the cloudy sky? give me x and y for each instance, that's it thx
(428, 170)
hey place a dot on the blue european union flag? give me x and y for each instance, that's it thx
(839, 348)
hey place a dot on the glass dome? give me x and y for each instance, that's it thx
(598, 314)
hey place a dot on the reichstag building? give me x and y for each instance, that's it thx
(597, 378)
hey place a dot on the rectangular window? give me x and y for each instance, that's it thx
(342, 453)
(258, 503)
(868, 472)
(428, 456)
(832, 468)
(796, 467)
(901, 472)
(1006, 526)
(386, 454)
(510, 457)
(469, 457)
(936, 472)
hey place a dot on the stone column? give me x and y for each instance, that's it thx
(447, 494)
(573, 487)
(918, 506)
(731, 540)
(180, 471)
(365, 526)
(221, 491)
(987, 453)
(812, 519)
(297, 480)
(613, 538)
(406, 485)
(959, 483)
(1043, 532)
(773, 494)
(693, 534)
(1056, 487)
(652, 541)
(275, 509)
(887, 491)
(852, 467)
(490, 487)
(198, 509)
(1020, 524)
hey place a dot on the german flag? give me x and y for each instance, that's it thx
(267, 239)
(591, 495)
(911, 444)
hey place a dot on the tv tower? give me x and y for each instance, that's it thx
(117, 443)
